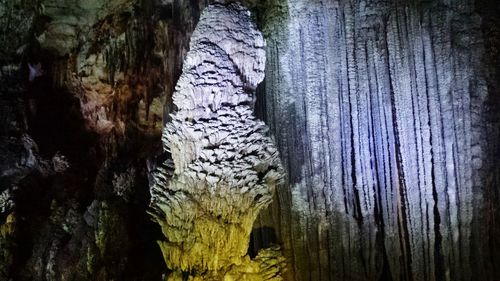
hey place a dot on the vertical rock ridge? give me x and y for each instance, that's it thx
(389, 95)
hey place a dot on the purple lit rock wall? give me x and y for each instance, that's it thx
(386, 117)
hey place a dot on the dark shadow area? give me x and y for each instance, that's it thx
(261, 238)
(45, 203)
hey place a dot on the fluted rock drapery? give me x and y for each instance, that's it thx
(388, 129)
(225, 167)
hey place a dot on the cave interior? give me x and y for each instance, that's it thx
(297, 140)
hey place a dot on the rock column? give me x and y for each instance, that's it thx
(225, 167)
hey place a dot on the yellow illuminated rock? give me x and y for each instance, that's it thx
(225, 168)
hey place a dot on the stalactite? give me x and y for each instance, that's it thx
(225, 167)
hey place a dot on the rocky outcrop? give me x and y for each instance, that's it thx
(225, 167)
(66, 23)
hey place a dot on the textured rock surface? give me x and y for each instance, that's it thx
(226, 168)
(386, 117)
(74, 140)
(349, 84)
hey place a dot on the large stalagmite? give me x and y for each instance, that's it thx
(226, 168)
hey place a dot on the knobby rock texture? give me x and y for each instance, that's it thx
(386, 117)
(225, 166)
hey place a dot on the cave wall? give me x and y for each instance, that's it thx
(386, 117)
(76, 137)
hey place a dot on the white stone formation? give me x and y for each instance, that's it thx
(225, 166)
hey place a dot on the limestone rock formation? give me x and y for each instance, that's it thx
(226, 167)
(386, 116)
(73, 140)
(385, 113)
